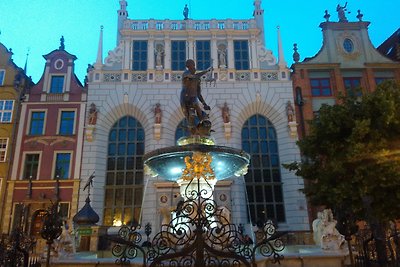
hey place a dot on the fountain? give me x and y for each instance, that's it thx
(198, 233)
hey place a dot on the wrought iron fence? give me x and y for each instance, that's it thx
(367, 252)
(16, 250)
(198, 235)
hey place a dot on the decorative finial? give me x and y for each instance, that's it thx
(62, 46)
(359, 15)
(257, 5)
(327, 16)
(341, 12)
(89, 183)
(281, 60)
(296, 55)
(26, 61)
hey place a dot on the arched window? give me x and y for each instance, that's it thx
(124, 177)
(263, 180)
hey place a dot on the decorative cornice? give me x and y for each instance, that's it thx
(344, 25)
(49, 140)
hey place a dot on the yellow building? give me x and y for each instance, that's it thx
(13, 83)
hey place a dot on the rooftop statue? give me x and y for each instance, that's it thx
(191, 96)
(62, 45)
(186, 12)
(341, 12)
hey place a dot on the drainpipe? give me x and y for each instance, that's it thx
(299, 101)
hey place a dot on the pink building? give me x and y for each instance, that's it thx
(48, 151)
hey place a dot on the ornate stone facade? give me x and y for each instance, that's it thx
(250, 86)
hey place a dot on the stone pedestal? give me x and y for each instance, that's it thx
(89, 132)
(223, 75)
(292, 129)
(228, 130)
(159, 76)
(157, 131)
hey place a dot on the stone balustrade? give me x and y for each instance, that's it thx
(197, 25)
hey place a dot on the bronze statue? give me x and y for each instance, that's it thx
(191, 95)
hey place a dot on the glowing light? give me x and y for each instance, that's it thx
(175, 170)
(117, 223)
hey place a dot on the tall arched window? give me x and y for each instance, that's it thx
(263, 180)
(124, 178)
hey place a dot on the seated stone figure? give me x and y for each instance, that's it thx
(325, 233)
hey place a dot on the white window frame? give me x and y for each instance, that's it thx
(21, 175)
(64, 82)
(4, 77)
(4, 149)
(2, 111)
(75, 110)
(28, 126)
(53, 172)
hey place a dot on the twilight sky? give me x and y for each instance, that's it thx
(37, 25)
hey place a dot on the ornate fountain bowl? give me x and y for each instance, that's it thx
(169, 162)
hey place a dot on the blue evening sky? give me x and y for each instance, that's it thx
(37, 25)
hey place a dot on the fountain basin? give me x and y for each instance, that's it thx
(169, 162)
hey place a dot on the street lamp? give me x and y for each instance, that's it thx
(52, 225)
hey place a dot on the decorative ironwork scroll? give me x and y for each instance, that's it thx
(127, 245)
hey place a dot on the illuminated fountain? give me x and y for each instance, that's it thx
(199, 233)
(196, 164)
(196, 159)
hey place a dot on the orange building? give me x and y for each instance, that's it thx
(346, 62)
(13, 84)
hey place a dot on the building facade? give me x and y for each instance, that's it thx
(133, 108)
(391, 46)
(346, 64)
(13, 83)
(49, 147)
